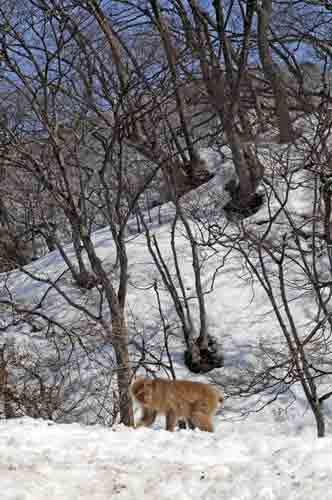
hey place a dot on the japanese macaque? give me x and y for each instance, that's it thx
(195, 402)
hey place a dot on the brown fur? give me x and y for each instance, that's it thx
(194, 401)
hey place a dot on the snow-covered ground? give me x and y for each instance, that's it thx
(40, 460)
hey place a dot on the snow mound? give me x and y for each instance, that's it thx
(41, 460)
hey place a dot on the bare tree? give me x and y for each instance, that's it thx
(102, 117)
(288, 254)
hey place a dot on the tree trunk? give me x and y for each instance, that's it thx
(273, 74)
(203, 358)
(119, 334)
(249, 170)
(120, 344)
(320, 423)
(84, 278)
(244, 197)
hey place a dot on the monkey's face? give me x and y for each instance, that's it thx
(141, 390)
(140, 395)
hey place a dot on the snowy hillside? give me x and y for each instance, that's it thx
(165, 212)
(259, 451)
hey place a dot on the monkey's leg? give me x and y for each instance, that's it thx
(190, 423)
(171, 420)
(186, 423)
(147, 419)
(202, 421)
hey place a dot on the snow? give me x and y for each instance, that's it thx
(41, 460)
(270, 454)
